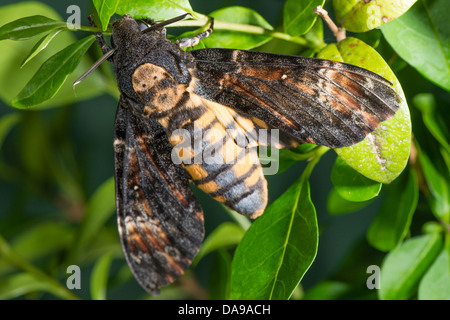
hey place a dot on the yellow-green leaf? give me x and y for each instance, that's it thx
(384, 153)
(363, 15)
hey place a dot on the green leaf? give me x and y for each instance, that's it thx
(421, 37)
(105, 10)
(372, 38)
(28, 27)
(298, 16)
(432, 227)
(315, 36)
(351, 185)
(337, 205)
(52, 74)
(154, 9)
(278, 248)
(20, 284)
(426, 103)
(392, 222)
(235, 39)
(361, 16)
(384, 153)
(100, 208)
(40, 45)
(50, 236)
(6, 123)
(99, 277)
(435, 284)
(225, 235)
(403, 268)
(13, 79)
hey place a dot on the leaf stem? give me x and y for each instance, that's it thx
(56, 288)
(339, 33)
(90, 29)
(316, 154)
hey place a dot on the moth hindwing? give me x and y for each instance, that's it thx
(196, 116)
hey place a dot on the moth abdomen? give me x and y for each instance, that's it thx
(207, 148)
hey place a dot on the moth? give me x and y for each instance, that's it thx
(165, 90)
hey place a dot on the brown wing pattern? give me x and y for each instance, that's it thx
(313, 100)
(160, 222)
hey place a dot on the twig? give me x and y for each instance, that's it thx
(339, 33)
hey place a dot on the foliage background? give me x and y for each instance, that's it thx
(57, 200)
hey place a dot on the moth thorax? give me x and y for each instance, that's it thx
(156, 88)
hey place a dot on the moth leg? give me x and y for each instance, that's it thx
(190, 42)
(101, 41)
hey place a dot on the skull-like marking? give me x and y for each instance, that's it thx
(156, 88)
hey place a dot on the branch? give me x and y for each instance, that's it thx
(339, 33)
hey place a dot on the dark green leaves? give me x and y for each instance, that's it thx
(404, 267)
(426, 103)
(392, 222)
(278, 249)
(28, 27)
(100, 208)
(437, 176)
(52, 74)
(299, 16)
(421, 37)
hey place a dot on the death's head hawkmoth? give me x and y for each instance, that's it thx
(167, 92)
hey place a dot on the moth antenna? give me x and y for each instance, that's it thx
(167, 22)
(93, 67)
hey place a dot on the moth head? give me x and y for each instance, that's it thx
(123, 30)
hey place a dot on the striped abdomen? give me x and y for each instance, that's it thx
(210, 149)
